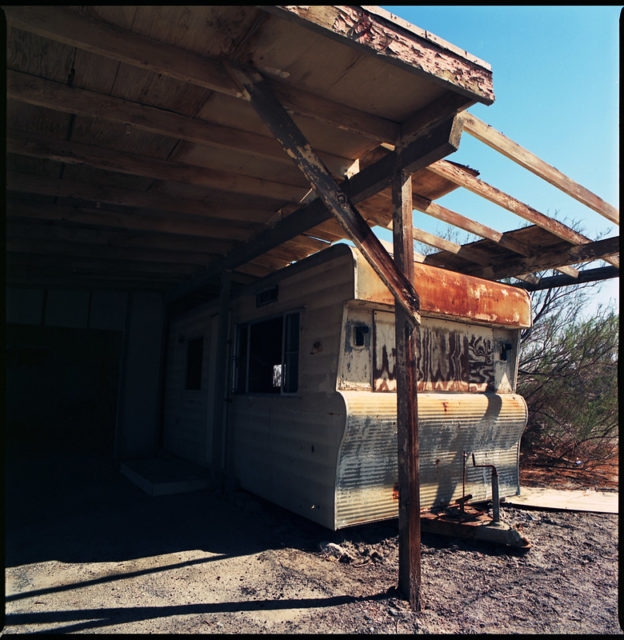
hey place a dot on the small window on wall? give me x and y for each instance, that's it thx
(194, 357)
(267, 356)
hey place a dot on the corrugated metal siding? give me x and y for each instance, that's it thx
(490, 425)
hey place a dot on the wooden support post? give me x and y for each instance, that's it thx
(333, 197)
(220, 382)
(406, 335)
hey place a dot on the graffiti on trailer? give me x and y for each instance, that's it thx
(445, 360)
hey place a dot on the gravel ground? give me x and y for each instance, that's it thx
(88, 552)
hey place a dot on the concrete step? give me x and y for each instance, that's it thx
(160, 475)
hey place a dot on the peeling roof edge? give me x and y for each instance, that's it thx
(422, 33)
(398, 42)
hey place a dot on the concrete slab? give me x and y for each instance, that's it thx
(164, 476)
(566, 499)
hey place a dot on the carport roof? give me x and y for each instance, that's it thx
(136, 159)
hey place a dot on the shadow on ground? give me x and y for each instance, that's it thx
(79, 508)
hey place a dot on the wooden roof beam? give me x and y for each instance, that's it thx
(95, 236)
(509, 267)
(332, 197)
(424, 149)
(129, 221)
(587, 275)
(92, 192)
(468, 181)
(30, 89)
(134, 164)
(467, 252)
(451, 217)
(98, 37)
(499, 142)
(98, 265)
(43, 246)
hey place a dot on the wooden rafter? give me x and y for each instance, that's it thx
(481, 188)
(149, 167)
(496, 140)
(587, 275)
(442, 213)
(545, 258)
(140, 222)
(298, 148)
(60, 97)
(437, 142)
(26, 183)
(100, 38)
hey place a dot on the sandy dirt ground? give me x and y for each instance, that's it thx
(86, 551)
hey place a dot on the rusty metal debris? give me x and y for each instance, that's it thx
(464, 520)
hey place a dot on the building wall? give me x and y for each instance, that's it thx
(131, 322)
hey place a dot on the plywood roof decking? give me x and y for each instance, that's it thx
(126, 132)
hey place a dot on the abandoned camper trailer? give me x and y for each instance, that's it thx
(179, 182)
(311, 417)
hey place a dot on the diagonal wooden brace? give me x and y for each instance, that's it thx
(333, 197)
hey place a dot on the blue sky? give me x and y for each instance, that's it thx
(556, 85)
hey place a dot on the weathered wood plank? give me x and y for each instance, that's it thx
(135, 164)
(99, 265)
(508, 267)
(140, 222)
(23, 277)
(501, 143)
(42, 245)
(437, 143)
(68, 27)
(27, 183)
(54, 231)
(481, 188)
(54, 95)
(587, 275)
(361, 28)
(441, 213)
(406, 335)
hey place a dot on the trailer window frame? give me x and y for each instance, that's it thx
(289, 345)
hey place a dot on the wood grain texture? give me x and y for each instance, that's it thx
(147, 166)
(366, 30)
(512, 150)
(29, 89)
(481, 188)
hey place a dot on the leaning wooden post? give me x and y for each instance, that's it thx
(406, 334)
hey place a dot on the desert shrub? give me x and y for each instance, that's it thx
(568, 376)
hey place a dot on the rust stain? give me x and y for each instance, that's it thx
(445, 293)
(395, 491)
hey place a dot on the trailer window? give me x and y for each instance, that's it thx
(267, 356)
